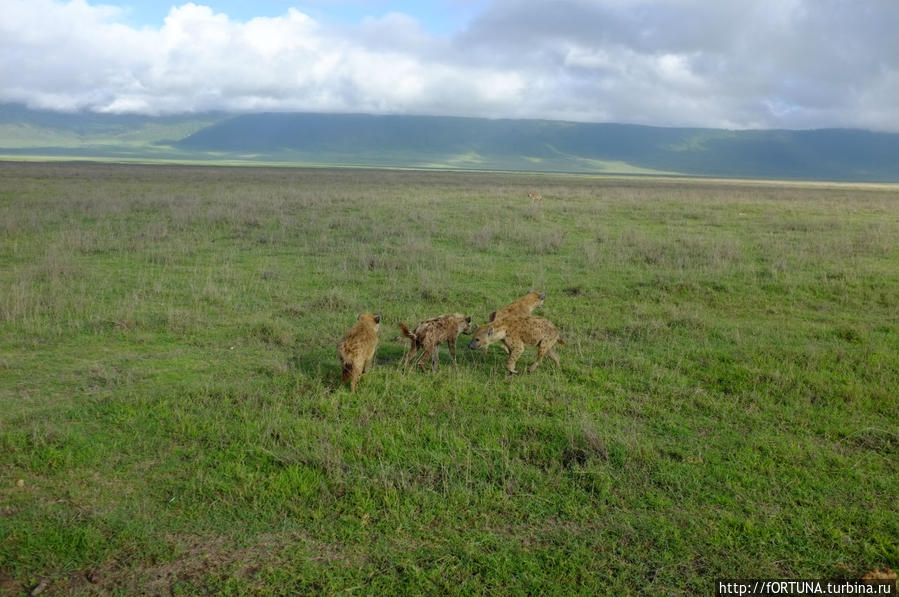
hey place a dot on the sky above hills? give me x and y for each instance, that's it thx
(733, 64)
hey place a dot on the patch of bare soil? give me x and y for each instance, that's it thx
(198, 558)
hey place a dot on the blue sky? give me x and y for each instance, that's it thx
(738, 64)
(439, 16)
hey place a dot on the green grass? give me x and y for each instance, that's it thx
(170, 398)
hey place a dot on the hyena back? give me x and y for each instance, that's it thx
(521, 306)
(356, 350)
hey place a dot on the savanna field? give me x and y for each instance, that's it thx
(172, 420)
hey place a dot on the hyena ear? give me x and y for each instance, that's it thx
(468, 319)
(490, 331)
(542, 296)
(492, 316)
(378, 318)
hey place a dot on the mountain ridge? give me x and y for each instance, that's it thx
(457, 142)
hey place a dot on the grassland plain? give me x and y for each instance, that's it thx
(171, 418)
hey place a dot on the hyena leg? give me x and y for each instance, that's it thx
(451, 344)
(542, 349)
(413, 350)
(552, 354)
(357, 373)
(514, 352)
(425, 355)
(435, 358)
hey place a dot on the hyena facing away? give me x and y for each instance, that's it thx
(357, 348)
(430, 333)
(515, 333)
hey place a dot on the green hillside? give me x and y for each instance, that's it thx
(551, 145)
(91, 135)
(456, 143)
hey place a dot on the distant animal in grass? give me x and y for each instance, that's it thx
(356, 350)
(535, 197)
(431, 333)
(516, 332)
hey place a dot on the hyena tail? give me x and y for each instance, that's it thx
(407, 333)
(347, 371)
(560, 341)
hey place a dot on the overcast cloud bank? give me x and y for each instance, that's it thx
(734, 64)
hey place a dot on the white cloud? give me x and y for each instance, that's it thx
(738, 63)
(741, 63)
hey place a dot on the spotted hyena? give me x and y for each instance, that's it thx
(522, 306)
(516, 332)
(357, 348)
(430, 333)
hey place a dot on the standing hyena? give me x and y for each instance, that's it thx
(515, 333)
(430, 333)
(519, 307)
(357, 348)
(535, 197)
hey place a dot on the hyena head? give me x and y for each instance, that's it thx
(536, 298)
(370, 319)
(485, 336)
(465, 325)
